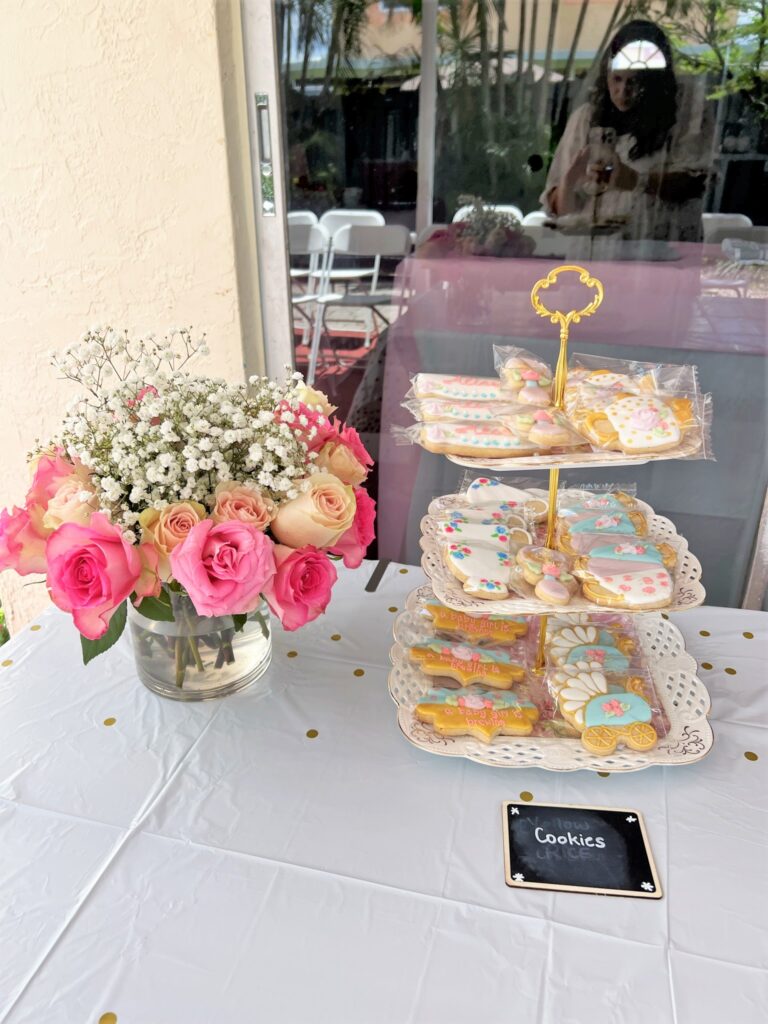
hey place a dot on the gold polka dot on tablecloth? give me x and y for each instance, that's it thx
(603, 775)
(403, 572)
(748, 636)
(525, 795)
(751, 755)
(392, 608)
(336, 636)
(108, 1018)
(109, 721)
(359, 672)
(311, 734)
(35, 628)
(730, 671)
(292, 654)
(664, 615)
(706, 664)
(6, 663)
(704, 632)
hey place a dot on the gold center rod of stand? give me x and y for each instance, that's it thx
(561, 374)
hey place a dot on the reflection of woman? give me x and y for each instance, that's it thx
(646, 172)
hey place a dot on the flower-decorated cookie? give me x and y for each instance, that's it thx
(608, 501)
(576, 531)
(474, 440)
(639, 424)
(547, 572)
(529, 378)
(440, 410)
(546, 428)
(476, 628)
(491, 491)
(628, 574)
(591, 644)
(467, 664)
(604, 719)
(483, 570)
(478, 714)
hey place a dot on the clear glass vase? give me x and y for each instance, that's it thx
(197, 657)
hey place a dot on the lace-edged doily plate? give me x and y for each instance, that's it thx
(688, 592)
(577, 460)
(684, 696)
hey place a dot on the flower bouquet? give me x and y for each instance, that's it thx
(196, 504)
(483, 232)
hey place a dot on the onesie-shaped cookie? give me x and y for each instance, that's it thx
(467, 664)
(474, 440)
(604, 719)
(575, 643)
(639, 424)
(476, 628)
(479, 714)
(491, 491)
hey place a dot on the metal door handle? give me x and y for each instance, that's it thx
(266, 176)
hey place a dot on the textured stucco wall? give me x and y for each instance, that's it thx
(114, 195)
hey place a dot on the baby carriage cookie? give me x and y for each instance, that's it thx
(575, 643)
(477, 714)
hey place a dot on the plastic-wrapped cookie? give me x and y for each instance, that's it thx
(575, 530)
(474, 440)
(586, 643)
(476, 629)
(548, 573)
(477, 714)
(467, 664)
(458, 388)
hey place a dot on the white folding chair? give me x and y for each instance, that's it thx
(514, 211)
(714, 225)
(332, 220)
(391, 241)
(302, 217)
(309, 241)
(535, 219)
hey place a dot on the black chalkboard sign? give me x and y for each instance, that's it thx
(578, 849)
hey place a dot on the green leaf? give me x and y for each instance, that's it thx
(93, 648)
(239, 621)
(157, 609)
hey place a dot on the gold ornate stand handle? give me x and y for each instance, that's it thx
(565, 320)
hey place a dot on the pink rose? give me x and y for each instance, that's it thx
(310, 426)
(319, 516)
(91, 571)
(168, 527)
(353, 544)
(22, 547)
(50, 472)
(243, 503)
(224, 566)
(301, 588)
(350, 437)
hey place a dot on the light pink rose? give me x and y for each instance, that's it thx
(91, 571)
(166, 528)
(22, 547)
(350, 437)
(301, 588)
(243, 503)
(51, 470)
(52, 475)
(224, 567)
(75, 501)
(319, 516)
(310, 426)
(353, 544)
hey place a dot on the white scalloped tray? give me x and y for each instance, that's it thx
(688, 592)
(579, 460)
(448, 502)
(684, 696)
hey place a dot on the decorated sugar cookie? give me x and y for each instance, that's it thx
(484, 571)
(474, 440)
(604, 719)
(456, 521)
(546, 428)
(623, 556)
(477, 714)
(590, 644)
(547, 572)
(467, 664)
(438, 410)
(638, 424)
(529, 378)
(575, 531)
(609, 501)
(643, 589)
(490, 491)
(476, 628)
(456, 388)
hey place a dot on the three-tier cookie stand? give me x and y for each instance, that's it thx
(684, 696)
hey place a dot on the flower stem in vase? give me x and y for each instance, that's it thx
(180, 661)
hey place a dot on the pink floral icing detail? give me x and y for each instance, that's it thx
(595, 654)
(602, 522)
(645, 419)
(614, 708)
(630, 549)
(550, 569)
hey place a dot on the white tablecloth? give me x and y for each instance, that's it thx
(212, 864)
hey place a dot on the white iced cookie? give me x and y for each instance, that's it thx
(484, 571)
(462, 389)
(438, 410)
(643, 423)
(475, 440)
(491, 492)
(650, 587)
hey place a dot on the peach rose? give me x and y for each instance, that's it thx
(319, 516)
(315, 399)
(73, 502)
(167, 527)
(244, 504)
(337, 458)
